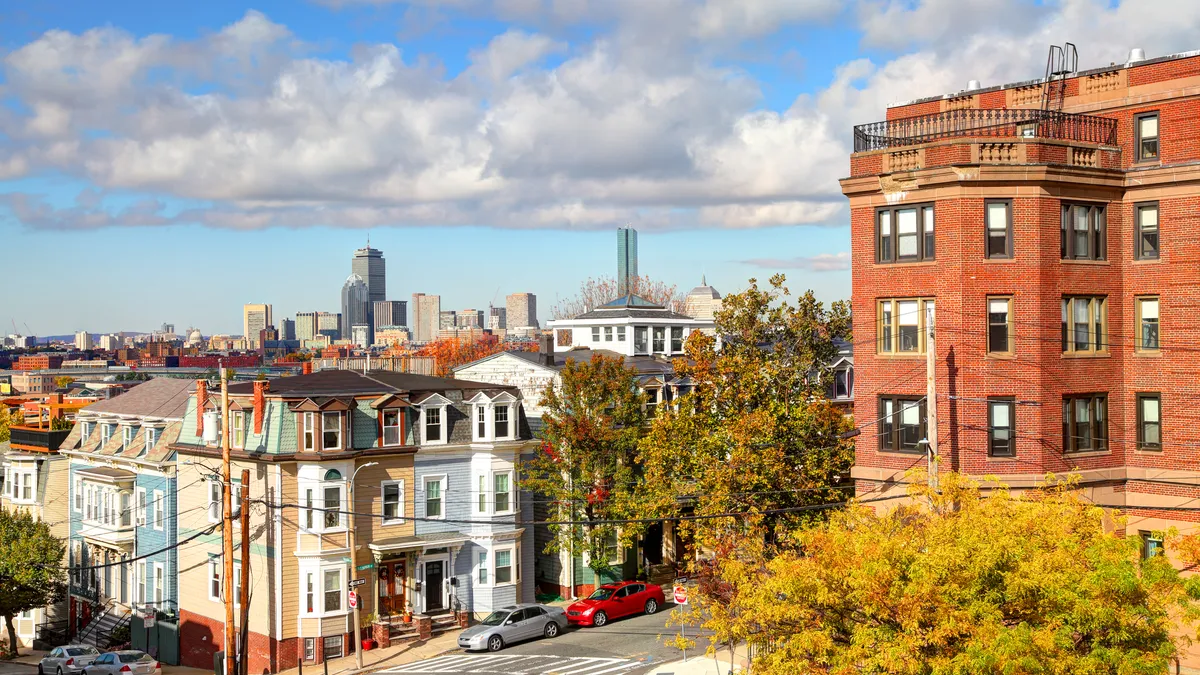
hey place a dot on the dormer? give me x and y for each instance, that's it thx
(322, 424)
(391, 420)
(493, 418)
(433, 420)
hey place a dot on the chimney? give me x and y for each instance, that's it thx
(56, 412)
(546, 350)
(306, 368)
(201, 402)
(260, 403)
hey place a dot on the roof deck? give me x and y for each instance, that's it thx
(985, 123)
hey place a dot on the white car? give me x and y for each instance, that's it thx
(67, 660)
(124, 662)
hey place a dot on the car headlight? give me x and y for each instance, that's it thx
(588, 611)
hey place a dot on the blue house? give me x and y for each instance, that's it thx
(122, 491)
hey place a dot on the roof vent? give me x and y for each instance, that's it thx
(1136, 54)
(973, 85)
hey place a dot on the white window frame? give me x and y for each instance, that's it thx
(444, 429)
(318, 571)
(142, 581)
(483, 410)
(214, 574)
(308, 584)
(235, 496)
(308, 432)
(77, 497)
(340, 586)
(399, 519)
(85, 430)
(237, 429)
(105, 433)
(159, 510)
(482, 571)
(482, 500)
(512, 503)
(513, 577)
(160, 583)
(620, 333)
(309, 522)
(140, 506)
(21, 485)
(397, 426)
(340, 486)
(215, 502)
(128, 433)
(512, 421)
(341, 430)
(152, 434)
(439, 478)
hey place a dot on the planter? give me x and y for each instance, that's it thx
(368, 644)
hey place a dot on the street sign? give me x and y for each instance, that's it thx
(355, 583)
(368, 566)
(353, 600)
(680, 594)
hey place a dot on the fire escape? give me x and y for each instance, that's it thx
(1061, 63)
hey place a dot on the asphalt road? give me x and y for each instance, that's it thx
(629, 646)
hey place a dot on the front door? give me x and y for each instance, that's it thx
(435, 573)
(391, 587)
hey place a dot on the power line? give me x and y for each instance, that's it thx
(136, 558)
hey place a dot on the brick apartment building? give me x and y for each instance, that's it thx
(1053, 226)
(38, 361)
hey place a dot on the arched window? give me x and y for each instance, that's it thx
(333, 474)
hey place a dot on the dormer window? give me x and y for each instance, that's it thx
(501, 418)
(676, 338)
(85, 430)
(128, 431)
(433, 424)
(152, 435)
(331, 431)
(105, 434)
(480, 422)
(237, 429)
(310, 431)
(391, 427)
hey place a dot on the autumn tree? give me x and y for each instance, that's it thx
(597, 291)
(980, 584)
(755, 434)
(591, 422)
(63, 381)
(9, 418)
(450, 353)
(30, 572)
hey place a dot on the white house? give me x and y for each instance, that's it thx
(629, 326)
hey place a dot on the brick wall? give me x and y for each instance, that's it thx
(201, 637)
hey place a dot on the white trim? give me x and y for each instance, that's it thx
(237, 429)
(159, 509)
(399, 519)
(319, 568)
(444, 486)
(141, 504)
(514, 577)
(444, 429)
(214, 574)
(215, 502)
(160, 590)
(142, 584)
(341, 430)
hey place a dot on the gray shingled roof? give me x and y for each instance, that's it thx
(164, 397)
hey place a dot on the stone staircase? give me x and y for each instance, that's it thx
(402, 632)
(101, 626)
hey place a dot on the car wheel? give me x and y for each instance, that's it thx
(600, 619)
(651, 606)
(40, 671)
(58, 672)
(551, 629)
(495, 643)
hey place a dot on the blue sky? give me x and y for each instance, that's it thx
(167, 163)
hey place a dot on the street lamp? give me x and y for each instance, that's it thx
(358, 664)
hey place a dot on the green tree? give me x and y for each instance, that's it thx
(30, 572)
(592, 421)
(976, 584)
(63, 381)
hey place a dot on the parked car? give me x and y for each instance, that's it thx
(613, 601)
(124, 662)
(67, 660)
(513, 624)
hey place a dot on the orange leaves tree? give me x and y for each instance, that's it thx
(587, 464)
(976, 584)
(596, 291)
(449, 353)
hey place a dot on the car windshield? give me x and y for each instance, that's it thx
(495, 618)
(134, 657)
(81, 651)
(602, 593)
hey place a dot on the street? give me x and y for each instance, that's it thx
(626, 647)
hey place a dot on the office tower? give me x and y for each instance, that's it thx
(355, 305)
(498, 318)
(369, 264)
(330, 325)
(110, 342)
(306, 325)
(83, 340)
(255, 317)
(359, 335)
(627, 267)
(447, 319)
(426, 310)
(522, 310)
(469, 318)
(287, 329)
(389, 313)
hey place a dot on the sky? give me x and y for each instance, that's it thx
(168, 162)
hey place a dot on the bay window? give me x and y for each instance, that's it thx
(1085, 423)
(332, 586)
(901, 327)
(504, 566)
(502, 483)
(331, 431)
(1084, 325)
(904, 234)
(1083, 232)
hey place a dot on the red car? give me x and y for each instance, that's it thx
(613, 601)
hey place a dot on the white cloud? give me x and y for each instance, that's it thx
(822, 262)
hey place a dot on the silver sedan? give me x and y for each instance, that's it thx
(124, 662)
(513, 624)
(67, 660)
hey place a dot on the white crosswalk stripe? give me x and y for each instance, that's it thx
(516, 664)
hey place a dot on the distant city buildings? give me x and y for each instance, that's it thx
(627, 259)
(521, 310)
(447, 320)
(369, 264)
(498, 318)
(390, 313)
(702, 302)
(426, 316)
(83, 341)
(110, 343)
(392, 336)
(255, 317)
(469, 318)
(355, 305)
(287, 329)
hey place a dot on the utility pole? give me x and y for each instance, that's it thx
(244, 595)
(358, 659)
(227, 527)
(931, 399)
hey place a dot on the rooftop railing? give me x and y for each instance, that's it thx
(972, 122)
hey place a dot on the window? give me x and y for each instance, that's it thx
(331, 431)
(391, 427)
(308, 508)
(141, 507)
(128, 431)
(332, 647)
(160, 584)
(1000, 325)
(237, 584)
(676, 338)
(595, 333)
(608, 333)
(502, 482)
(310, 425)
(310, 649)
(902, 325)
(1083, 325)
(433, 424)
(77, 501)
(651, 406)
(1001, 426)
(214, 501)
(126, 512)
(1147, 319)
(610, 547)
(1146, 241)
(235, 493)
(660, 339)
(640, 345)
(901, 424)
(481, 422)
(504, 570)
(1147, 136)
(433, 497)
(483, 567)
(501, 420)
(310, 592)
(160, 510)
(237, 429)
(105, 434)
(999, 228)
(1152, 545)
(841, 383)
(333, 590)
(620, 333)
(1082, 235)
(1085, 423)
(141, 575)
(1149, 421)
(393, 502)
(905, 234)
(333, 506)
(214, 580)
(85, 430)
(483, 494)
(152, 435)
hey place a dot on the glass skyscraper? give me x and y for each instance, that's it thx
(626, 258)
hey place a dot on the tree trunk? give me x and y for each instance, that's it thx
(12, 633)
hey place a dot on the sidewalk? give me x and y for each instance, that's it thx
(702, 664)
(28, 657)
(376, 659)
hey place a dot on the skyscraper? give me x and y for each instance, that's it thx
(330, 324)
(287, 329)
(369, 264)
(355, 305)
(627, 267)
(389, 313)
(469, 318)
(497, 318)
(255, 317)
(426, 310)
(521, 310)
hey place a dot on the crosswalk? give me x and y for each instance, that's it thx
(516, 664)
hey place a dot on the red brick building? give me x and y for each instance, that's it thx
(1054, 229)
(38, 362)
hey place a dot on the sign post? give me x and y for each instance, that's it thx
(353, 600)
(680, 596)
